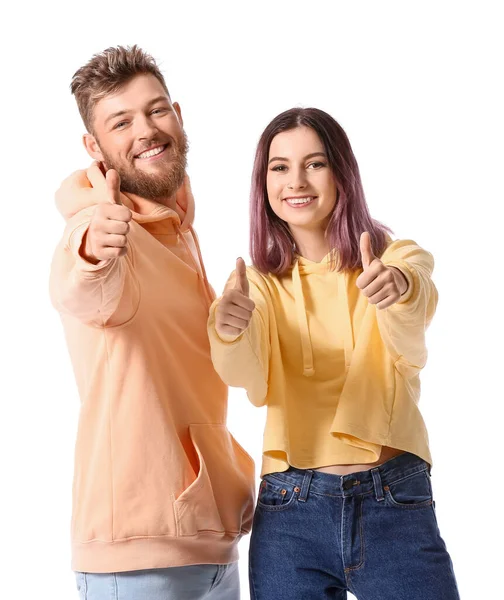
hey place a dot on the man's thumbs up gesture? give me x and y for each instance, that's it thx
(235, 308)
(109, 226)
(381, 285)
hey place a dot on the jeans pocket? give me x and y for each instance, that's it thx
(81, 585)
(275, 494)
(413, 491)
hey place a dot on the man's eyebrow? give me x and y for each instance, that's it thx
(158, 99)
(116, 114)
(125, 111)
(305, 158)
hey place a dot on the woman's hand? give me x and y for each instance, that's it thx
(381, 285)
(235, 308)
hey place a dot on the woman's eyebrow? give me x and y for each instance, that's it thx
(305, 158)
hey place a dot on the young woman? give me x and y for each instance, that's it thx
(328, 330)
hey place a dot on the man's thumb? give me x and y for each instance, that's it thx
(113, 187)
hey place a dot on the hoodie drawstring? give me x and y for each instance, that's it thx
(306, 345)
(348, 341)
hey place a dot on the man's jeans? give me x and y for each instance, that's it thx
(198, 582)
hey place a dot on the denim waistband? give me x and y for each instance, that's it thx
(361, 482)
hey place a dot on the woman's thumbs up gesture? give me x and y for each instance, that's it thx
(381, 285)
(235, 308)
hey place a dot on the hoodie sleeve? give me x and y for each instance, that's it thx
(403, 325)
(101, 294)
(105, 294)
(244, 361)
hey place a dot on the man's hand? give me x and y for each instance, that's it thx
(109, 226)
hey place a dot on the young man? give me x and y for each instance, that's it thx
(162, 492)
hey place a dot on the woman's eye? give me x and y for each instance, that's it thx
(316, 165)
(279, 168)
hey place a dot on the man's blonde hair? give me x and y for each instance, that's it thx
(106, 73)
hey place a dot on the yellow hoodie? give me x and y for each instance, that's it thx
(159, 481)
(339, 377)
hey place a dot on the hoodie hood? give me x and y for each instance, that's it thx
(86, 188)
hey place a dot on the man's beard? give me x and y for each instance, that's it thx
(153, 186)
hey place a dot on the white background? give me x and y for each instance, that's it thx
(417, 86)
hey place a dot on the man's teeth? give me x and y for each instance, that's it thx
(152, 152)
(300, 200)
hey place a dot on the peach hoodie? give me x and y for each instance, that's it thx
(159, 481)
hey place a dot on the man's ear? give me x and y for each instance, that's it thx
(92, 147)
(178, 110)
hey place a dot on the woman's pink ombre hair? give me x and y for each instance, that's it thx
(271, 243)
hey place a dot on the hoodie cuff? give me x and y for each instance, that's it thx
(75, 244)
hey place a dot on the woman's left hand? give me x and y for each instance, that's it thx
(381, 285)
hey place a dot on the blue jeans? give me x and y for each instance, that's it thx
(195, 582)
(373, 533)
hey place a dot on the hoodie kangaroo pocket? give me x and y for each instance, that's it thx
(221, 498)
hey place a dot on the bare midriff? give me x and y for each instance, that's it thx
(386, 454)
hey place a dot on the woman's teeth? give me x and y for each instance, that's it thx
(297, 201)
(153, 152)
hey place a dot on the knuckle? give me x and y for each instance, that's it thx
(101, 226)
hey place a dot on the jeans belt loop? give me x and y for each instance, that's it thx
(305, 486)
(377, 482)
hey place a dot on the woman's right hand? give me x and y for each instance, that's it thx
(235, 308)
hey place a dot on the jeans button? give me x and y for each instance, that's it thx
(348, 484)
